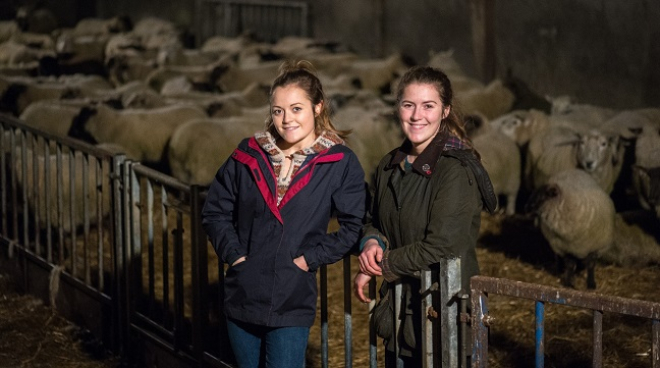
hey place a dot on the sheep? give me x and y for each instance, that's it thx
(521, 125)
(13, 53)
(373, 134)
(237, 76)
(576, 217)
(201, 77)
(377, 74)
(224, 104)
(144, 133)
(199, 147)
(19, 92)
(460, 81)
(501, 159)
(492, 101)
(52, 116)
(36, 19)
(601, 155)
(98, 27)
(633, 244)
(44, 199)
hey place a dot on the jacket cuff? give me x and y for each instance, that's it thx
(232, 256)
(366, 238)
(312, 261)
(388, 275)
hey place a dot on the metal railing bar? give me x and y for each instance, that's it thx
(580, 299)
(539, 335)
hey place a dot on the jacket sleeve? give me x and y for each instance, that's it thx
(349, 207)
(370, 230)
(218, 214)
(449, 232)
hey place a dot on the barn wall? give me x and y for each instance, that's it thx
(600, 52)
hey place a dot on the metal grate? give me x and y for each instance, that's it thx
(266, 20)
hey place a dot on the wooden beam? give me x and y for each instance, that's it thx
(482, 19)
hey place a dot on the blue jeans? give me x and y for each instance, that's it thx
(257, 346)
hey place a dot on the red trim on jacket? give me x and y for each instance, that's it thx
(300, 184)
(257, 174)
(255, 170)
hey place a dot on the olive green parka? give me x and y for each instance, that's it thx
(424, 212)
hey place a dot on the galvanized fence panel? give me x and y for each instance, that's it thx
(56, 204)
(268, 21)
(482, 286)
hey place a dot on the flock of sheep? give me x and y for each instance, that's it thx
(134, 87)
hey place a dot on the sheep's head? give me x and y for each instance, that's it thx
(595, 149)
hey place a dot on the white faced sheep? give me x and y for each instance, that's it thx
(143, 132)
(576, 217)
(501, 159)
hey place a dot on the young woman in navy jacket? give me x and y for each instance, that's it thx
(267, 214)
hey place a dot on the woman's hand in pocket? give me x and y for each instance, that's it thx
(301, 263)
(240, 260)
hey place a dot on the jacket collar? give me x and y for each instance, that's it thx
(426, 161)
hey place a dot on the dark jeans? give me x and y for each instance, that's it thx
(257, 346)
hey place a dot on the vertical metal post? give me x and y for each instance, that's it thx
(479, 300)
(373, 340)
(348, 320)
(120, 277)
(540, 332)
(655, 342)
(200, 279)
(450, 286)
(324, 316)
(397, 322)
(427, 324)
(598, 339)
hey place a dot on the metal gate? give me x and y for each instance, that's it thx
(267, 21)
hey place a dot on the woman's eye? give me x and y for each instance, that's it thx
(429, 106)
(276, 112)
(296, 109)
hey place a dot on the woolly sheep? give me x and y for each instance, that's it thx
(199, 147)
(143, 132)
(633, 245)
(492, 101)
(501, 159)
(521, 125)
(576, 217)
(45, 203)
(373, 134)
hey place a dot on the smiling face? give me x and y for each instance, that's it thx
(420, 112)
(293, 117)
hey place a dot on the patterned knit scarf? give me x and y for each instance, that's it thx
(267, 143)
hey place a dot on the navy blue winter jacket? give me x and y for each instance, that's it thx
(242, 218)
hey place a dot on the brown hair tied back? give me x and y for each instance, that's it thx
(303, 74)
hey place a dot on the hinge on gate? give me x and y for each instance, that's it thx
(431, 313)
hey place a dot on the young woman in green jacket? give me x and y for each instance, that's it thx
(428, 195)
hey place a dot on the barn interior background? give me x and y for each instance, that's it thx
(604, 54)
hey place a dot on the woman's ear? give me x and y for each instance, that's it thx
(445, 112)
(317, 109)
